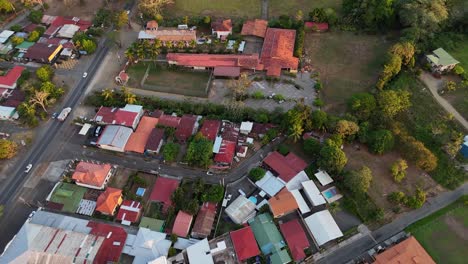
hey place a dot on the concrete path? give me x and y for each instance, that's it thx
(265, 9)
(434, 85)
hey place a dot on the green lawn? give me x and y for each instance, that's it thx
(442, 235)
(218, 8)
(459, 98)
(279, 7)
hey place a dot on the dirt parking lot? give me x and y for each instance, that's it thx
(84, 9)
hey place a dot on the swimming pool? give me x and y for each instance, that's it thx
(253, 199)
(331, 194)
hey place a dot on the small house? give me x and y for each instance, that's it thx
(221, 28)
(108, 201)
(441, 61)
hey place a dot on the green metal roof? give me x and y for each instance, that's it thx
(280, 257)
(442, 57)
(25, 45)
(266, 233)
(152, 224)
(69, 195)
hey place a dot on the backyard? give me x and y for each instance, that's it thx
(444, 234)
(345, 69)
(280, 7)
(218, 8)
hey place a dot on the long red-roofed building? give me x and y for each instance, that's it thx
(8, 81)
(226, 152)
(285, 166)
(210, 129)
(169, 121)
(277, 51)
(182, 224)
(163, 189)
(296, 238)
(244, 243)
(113, 244)
(137, 141)
(186, 128)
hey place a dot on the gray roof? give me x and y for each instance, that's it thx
(146, 246)
(200, 253)
(115, 136)
(60, 221)
(240, 210)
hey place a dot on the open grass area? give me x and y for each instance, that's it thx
(347, 64)
(444, 234)
(460, 52)
(218, 8)
(290, 7)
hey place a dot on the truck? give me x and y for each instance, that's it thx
(63, 115)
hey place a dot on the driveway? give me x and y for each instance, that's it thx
(434, 85)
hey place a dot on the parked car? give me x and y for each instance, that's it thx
(54, 115)
(28, 168)
(85, 74)
(98, 131)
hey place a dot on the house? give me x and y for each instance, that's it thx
(323, 177)
(128, 116)
(296, 238)
(152, 25)
(169, 121)
(182, 224)
(200, 253)
(152, 224)
(210, 128)
(244, 243)
(137, 141)
(259, 130)
(60, 21)
(8, 112)
(246, 127)
(282, 203)
(407, 251)
(129, 212)
(270, 184)
(441, 61)
(68, 31)
(155, 140)
(6, 49)
(313, 193)
(257, 28)
(5, 35)
(317, 27)
(187, 127)
(323, 227)
(43, 53)
(10, 79)
(204, 221)
(225, 153)
(162, 191)
(241, 210)
(287, 167)
(269, 239)
(114, 138)
(221, 28)
(24, 46)
(91, 175)
(303, 206)
(241, 151)
(146, 246)
(13, 97)
(153, 31)
(108, 201)
(277, 51)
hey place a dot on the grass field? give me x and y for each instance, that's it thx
(444, 234)
(459, 98)
(280, 7)
(218, 8)
(347, 63)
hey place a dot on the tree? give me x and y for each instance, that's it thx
(214, 194)
(362, 105)
(153, 7)
(34, 36)
(318, 15)
(295, 131)
(128, 96)
(191, 207)
(6, 6)
(299, 15)
(107, 94)
(392, 102)
(319, 119)
(332, 158)
(207, 20)
(358, 181)
(312, 147)
(121, 19)
(35, 16)
(87, 45)
(346, 128)
(450, 86)
(415, 151)
(405, 50)
(381, 141)
(398, 170)
(170, 151)
(240, 86)
(8, 149)
(39, 98)
(458, 70)
(45, 73)
(15, 40)
(16, 27)
(371, 14)
(391, 68)
(256, 174)
(199, 151)
(424, 15)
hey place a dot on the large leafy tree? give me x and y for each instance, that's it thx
(45, 73)
(121, 19)
(358, 181)
(8, 149)
(6, 6)
(371, 14)
(170, 151)
(381, 141)
(199, 151)
(392, 102)
(39, 98)
(214, 194)
(346, 129)
(423, 16)
(332, 158)
(153, 8)
(257, 174)
(362, 105)
(312, 147)
(319, 119)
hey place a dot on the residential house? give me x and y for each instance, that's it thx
(67, 31)
(289, 168)
(277, 51)
(317, 27)
(152, 25)
(8, 112)
(221, 28)
(129, 212)
(241, 210)
(43, 53)
(9, 79)
(6, 49)
(187, 127)
(128, 116)
(5, 35)
(303, 206)
(182, 224)
(108, 201)
(153, 31)
(313, 193)
(155, 141)
(323, 227)
(407, 251)
(200, 253)
(210, 128)
(204, 221)
(257, 28)
(270, 184)
(244, 243)
(296, 238)
(162, 191)
(137, 141)
(146, 246)
(24, 46)
(169, 121)
(91, 175)
(282, 203)
(441, 61)
(323, 177)
(225, 153)
(246, 127)
(114, 138)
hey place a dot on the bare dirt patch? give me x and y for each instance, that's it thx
(383, 183)
(457, 227)
(84, 10)
(120, 178)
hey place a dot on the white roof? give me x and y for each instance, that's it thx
(133, 108)
(160, 260)
(230, 44)
(313, 193)
(146, 246)
(6, 112)
(303, 207)
(115, 136)
(295, 183)
(240, 209)
(84, 129)
(5, 35)
(199, 253)
(246, 126)
(143, 35)
(68, 31)
(323, 177)
(270, 184)
(241, 46)
(217, 144)
(323, 227)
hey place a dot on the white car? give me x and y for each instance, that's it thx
(85, 74)
(28, 168)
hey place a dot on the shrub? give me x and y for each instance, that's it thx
(398, 170)
(256, 174)
(312, 147)
(16, 28)
(170, 151)
(450, 86)
(381, 141)
(318, 86)
(258, 95)
(318, 102)
(458, 70)
(397, 197)
(283, 149)
(417, 200)
(278, 97)
(35, 16)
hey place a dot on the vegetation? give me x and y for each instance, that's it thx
(381, 141)
(312, 147)
(398, 170)
(256, 174)
(8, 149)
(153, 8)
(170, 151)
(121, 19)
(84, 42)
(35, 16)
(45, 73)
(199, 151)
(332, 158)
(358, 181)
(214, 194)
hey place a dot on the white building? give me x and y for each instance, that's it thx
(7, 112)
(313, 193)
(246, 127)
(146, 246)
(323, 227)
(114, 138)
(270, 184)
(200, 253)
(323, 177)
(241, 210)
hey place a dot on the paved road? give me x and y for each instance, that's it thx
(360, 246)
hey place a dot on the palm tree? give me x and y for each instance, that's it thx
(192, 44)
(130, 54)
(108, 94)
(129, 98)
(39, 98)
(180, 44)
(296, 131)
(169, 44)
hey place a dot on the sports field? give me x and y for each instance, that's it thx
(217, 8)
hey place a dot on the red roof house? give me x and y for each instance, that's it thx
(257, 27)
(204, 221)
(226, 152)
(169, 121)
(319, 27)
(113, 244)
(108, 201)
(296, 238)
(163, 189)
(137, 141)
(155, 140)
(210, 129)
(186, 127)
(182, 224)
(244, 243)
(92, 175)
(8, 81)
(222, 28)
(129, 212)
(117, 116)
(277, 51)
(286, 167)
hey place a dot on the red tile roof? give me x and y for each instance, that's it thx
(407, 251)
(277, 51)
(244, 243)
(91, 174)
(151, 25)
(226, 152)
(205, 219)
(9, 80)
(137, 140)
(129, 211)
(154, 139)
(255, 27)
(108, 200)
(169, 121)
(282, 203)
(286, 167)
(30, 28)
(222, 25)
(125, 118)
(226, 71)
(182, 224)
(163, 189)
(210, 129)
(186, 127)
(319, 26)
(113, 244)
(115, 116)
(296, 238)
(60, 21)
(245, 61)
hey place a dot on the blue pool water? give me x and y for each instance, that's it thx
(253, 199)
(328, 194)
